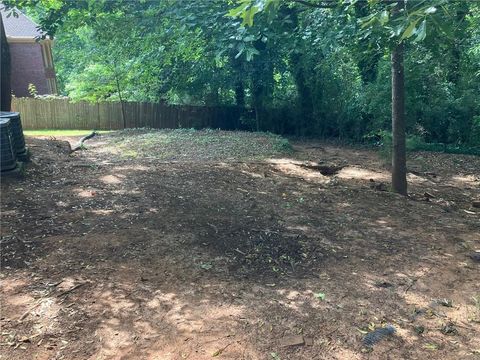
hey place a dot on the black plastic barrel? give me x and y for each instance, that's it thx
(17, 134)
(8, 160)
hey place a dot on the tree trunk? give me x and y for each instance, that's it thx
(399, 153)
(262, 85)
(239, 73)
(298, 70)
(5, 69)
(240, 94)
(456, 44)
(117, 81)
(258, 107)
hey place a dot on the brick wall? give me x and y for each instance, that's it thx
(27, 68)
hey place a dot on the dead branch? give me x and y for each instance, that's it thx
(79, 146)
(71, 289)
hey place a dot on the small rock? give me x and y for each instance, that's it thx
(379, 187)
(419, 329)
(476, 203)
(377, 335)
(293, 340)
(308, 341)
(383, 284)
(444, 302)
(449, 329)
(475, 256)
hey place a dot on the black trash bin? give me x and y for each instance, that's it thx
(8, 159)
(18, 139)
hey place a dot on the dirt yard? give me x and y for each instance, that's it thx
(110, 254)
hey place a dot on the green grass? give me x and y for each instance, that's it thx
(56, 133)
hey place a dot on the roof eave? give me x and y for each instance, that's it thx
(25, 39)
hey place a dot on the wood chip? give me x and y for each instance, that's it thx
(293, 340)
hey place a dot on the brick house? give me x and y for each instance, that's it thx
(31, 58)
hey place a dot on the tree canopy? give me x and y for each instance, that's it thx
(319, 68)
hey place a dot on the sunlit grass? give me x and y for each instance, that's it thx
(190, 144)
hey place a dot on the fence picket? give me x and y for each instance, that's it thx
(64, 114)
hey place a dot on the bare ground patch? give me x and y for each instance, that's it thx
(109, 257)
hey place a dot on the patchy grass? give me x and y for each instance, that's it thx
(191, 144)
(56, 133)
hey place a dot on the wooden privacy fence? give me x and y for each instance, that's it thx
(64, 114)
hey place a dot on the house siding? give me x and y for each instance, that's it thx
(28, 68)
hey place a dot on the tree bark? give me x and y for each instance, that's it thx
(239, 73)
(306, 124)
(5, 70)
(262, 84)
(117, 81)
(240, 94)
(399, 153)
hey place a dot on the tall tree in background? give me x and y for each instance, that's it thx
(393, 22)
(5, 66)
(397, 21)
(399, 151)
(309, 67)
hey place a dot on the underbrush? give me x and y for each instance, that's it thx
(382, 140)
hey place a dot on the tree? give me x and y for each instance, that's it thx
(399, 151)
(310, 67)
(398, 20)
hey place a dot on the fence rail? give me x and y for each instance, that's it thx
(64, 114)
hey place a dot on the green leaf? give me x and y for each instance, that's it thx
(431, 346)
(367, 20)
(238, 10)
(251, 52)
(249, 14)
(421, 32)
(320, 296)
(206, 266)
(383, 17)
(275, 356)
(410, 30)
(430, 10)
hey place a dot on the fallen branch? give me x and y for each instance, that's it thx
(240, 252)
(70, 290)
(221, 350)
(79, 146)
(412, 282)
(26, 313)
(213, 227)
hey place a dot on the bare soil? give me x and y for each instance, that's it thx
(107, 257)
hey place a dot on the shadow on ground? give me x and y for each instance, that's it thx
(106, 259)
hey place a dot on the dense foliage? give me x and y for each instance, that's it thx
(306, 70)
